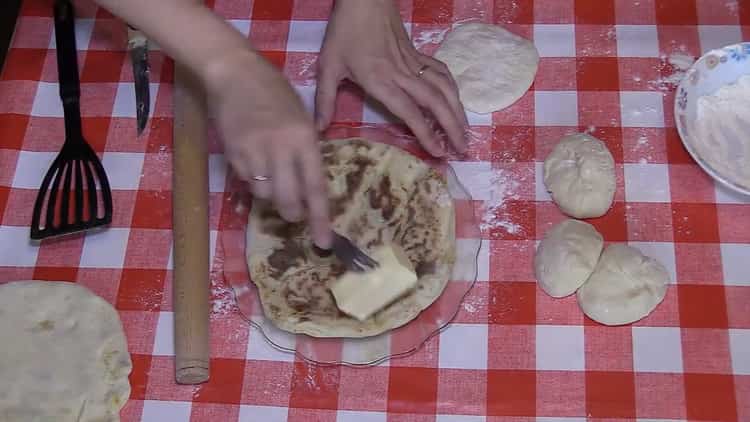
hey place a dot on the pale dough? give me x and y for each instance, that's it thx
(492, 67)
(566, 257)
(64, 356)
(580, 176)
(625, 286)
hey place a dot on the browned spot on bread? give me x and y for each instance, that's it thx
(323, 253)
(328, 149)
(289, 255)
(382, 198)
(425, 268)
(354, 178)
(337, 269)
(353, 183)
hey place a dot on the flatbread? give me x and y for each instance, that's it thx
(380, 194)
(64, 356)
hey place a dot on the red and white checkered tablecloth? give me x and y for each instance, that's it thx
(513, 354)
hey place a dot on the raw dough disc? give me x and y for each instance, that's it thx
(580, 176)
(64, 357)
(492, 67)
(566, 257)
(625, 286)
(379, 194)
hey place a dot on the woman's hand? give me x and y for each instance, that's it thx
(268, 134)
(266, 130)
(366, 43)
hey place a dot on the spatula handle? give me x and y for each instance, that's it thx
(67, 67)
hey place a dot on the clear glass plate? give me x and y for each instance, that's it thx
(373, 350)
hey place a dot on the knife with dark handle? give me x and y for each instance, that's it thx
(138, 48)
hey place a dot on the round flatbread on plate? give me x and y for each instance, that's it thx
(379, 194)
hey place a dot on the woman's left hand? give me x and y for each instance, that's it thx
(366, 43)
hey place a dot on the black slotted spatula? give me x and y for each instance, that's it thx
(68, 200)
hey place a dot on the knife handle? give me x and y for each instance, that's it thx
(136, 38)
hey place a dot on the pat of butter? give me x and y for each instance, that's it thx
(361, 294)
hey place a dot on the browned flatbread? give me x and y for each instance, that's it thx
(380, 194)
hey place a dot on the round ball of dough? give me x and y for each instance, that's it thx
(566, 257)
(580, 176)
(492, 67)
(624, 287)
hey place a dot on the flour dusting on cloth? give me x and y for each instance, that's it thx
(222, 298)
(680, 63)
(432, 36)
(503, 187)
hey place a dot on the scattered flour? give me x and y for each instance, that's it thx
(222, 298)
(434, 36)
(310, 378)
(503, 187)
(304, 72)
(473, 136)
(641, 147)
(680, 62)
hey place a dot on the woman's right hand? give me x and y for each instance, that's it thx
(267, 132)
(265, 128)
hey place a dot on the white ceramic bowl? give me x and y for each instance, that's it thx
(712, 71)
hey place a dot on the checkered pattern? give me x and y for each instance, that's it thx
(513, 354)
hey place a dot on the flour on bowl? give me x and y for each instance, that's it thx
(721, 126)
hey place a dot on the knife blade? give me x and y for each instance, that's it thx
(138, 48)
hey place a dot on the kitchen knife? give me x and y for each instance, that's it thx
(138, 48)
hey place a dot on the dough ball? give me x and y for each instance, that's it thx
(625, 286)
(492, 67)
(566, 257)
(580, 176)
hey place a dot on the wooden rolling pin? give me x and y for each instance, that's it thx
(191, 238)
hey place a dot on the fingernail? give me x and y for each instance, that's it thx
(323, 241)
(292, 215)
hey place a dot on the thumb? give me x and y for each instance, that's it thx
(325, 96)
